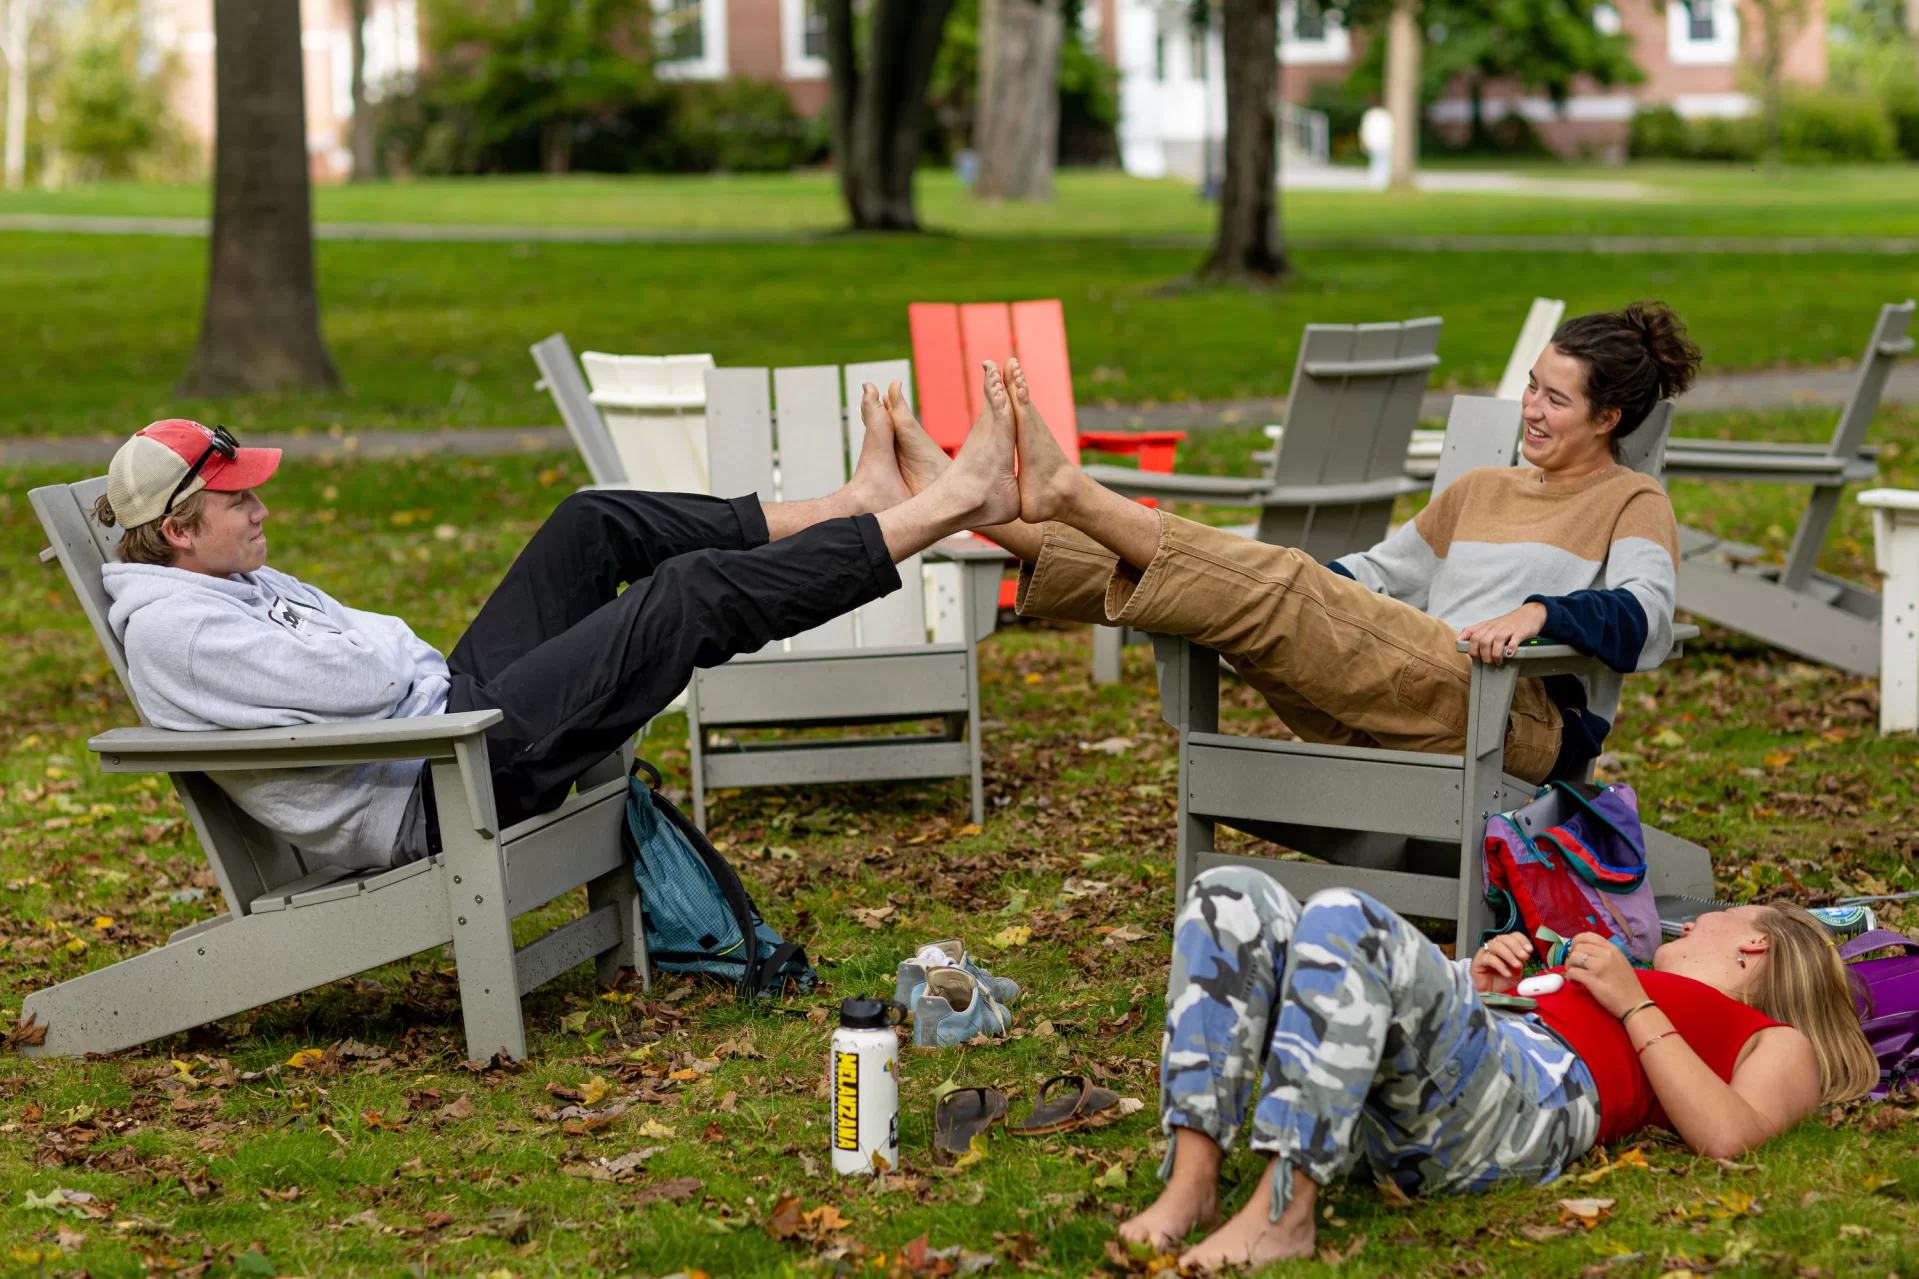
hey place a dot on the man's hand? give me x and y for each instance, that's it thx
(1497, 965)
(1603, 969)
(1499, 639)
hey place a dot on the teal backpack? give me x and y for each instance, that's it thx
(696, 914)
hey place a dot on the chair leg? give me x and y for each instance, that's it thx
(1108, 642)
(976, 776)
(617, 888)
(476, 910)
(696, 752)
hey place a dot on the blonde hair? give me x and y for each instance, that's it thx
(147, 543)
(1805, 984)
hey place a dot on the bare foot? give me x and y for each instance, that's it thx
(921, 460)
(1167, 1222)
(1047, 479)
(1251, 1240)
(980, 480)
(877, 484)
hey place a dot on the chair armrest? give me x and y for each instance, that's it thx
(1380, 490)
(1225, 490)
(1564, 659)
(161, 750)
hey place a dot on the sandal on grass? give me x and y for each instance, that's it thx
(962, 1114)
(1065, 1104)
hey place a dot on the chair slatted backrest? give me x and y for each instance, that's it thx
(1542, 321)
(653, 408)
(812, 421)
(951, 340)
(1888, 342)
(1481, 430)
(1350, 415)
(561, 375)
(246, 857)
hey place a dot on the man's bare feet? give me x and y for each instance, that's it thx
(1166, 1223)
(1251, 1239)
(877, 484)
(980, 480)
(921, 461)
(1047, 479)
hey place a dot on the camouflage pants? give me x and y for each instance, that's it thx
(1348, 1036)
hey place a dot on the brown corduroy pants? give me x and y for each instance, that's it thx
(1337, 662)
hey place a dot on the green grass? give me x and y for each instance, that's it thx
(427, 335)
(1778, 769)
(1671, 200)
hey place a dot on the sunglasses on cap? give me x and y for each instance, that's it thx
(222, 443)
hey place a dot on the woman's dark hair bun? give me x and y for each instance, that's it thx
(1634, 358)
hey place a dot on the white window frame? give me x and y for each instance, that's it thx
(1334, 49)
(712, 65)
(1720, 51)
(796, 64)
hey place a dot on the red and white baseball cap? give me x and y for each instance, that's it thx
(170, 461)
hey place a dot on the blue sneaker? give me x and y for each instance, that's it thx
(950, 953)
(952, 1006)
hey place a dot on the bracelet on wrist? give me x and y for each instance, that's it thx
(1642, 1004)
(1664, 1034)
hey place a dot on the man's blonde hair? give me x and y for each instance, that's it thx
(147, 543)
(1805, 984)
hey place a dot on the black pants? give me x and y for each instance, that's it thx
(578, 666)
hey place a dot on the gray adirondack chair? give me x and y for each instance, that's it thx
(1330, 486)
(873, 666)
(1329, 483)
(290, 926)
(1404, 826)
(1793, 605)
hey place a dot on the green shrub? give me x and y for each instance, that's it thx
(1344, 107)
(1905, 123)
(1658, 133)
(1718, 137)
(736, 126)
(1823, 128)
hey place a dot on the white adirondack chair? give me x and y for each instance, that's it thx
(1542, 320)
(654, 409)
(872, 666)
(290, 926)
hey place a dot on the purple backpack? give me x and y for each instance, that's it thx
(1888, 998)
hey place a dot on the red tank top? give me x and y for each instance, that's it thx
(1715, 1026)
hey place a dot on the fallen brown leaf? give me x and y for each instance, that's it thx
(675, 1190)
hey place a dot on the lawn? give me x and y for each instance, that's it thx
(427, 335)
(393, 1156)
(1661, 199)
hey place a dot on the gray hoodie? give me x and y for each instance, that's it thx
(265, 650)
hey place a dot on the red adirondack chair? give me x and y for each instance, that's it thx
(950, 340)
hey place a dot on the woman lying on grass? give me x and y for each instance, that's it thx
(1335, 1034)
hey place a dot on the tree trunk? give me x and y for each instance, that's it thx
(261, 330)
(556, 147)
(365, 164)
(1017, 128)
(1403, 46)
(18, 55)
(1772, 57)
(879, 113)
(1248, 245)
(1912, 27)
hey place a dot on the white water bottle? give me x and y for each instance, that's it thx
(864, 1067)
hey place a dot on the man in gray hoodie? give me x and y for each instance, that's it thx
(216, 640)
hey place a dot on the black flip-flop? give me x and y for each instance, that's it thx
(1056, 1111)
(961, 1115)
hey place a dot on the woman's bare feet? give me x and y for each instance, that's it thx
(877, 483)
(1048, 480)
(920, 460)
(1250, 1239)
(1171, 1217)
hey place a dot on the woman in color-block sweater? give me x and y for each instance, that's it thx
(1573, 547)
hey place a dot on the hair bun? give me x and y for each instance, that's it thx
(1674, 355)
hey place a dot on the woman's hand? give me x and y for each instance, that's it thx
(1497, 965)
(1499, 639)
(1603, 969)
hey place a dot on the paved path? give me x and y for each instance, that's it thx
(426, 232)
(1766, 390)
